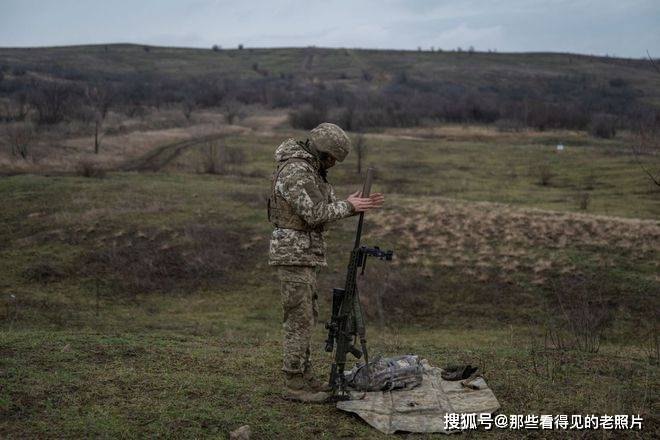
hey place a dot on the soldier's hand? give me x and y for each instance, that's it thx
(361, 204)
(377, 199)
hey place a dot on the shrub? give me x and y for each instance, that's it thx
(187, 108)
(579, 313)
(88, 168)
(211, 159)
(589, 182)
(15, 110)
(20, 135)
(345, 118)
(43, 272)
(603, 126)
(218, 158)
(509, 125)
(232, 110)
(583, 198)
(617, 82)
(52, 100)
(307, 117)
(545, 173)
(18, 71)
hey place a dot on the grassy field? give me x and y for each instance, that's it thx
(141, 304)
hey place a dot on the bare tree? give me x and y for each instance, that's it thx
(211, 160)
(220, 158)
(15, 109)
(360, 151)
(99, 97)
(20, 136)
(232, 111)
(647, 150)
(655, 66)
(545, 172)
(51, 100)
(189, 105)
(603, 126)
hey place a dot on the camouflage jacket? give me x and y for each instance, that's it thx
(313, 200)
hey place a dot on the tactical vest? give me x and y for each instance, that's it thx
(280, 212)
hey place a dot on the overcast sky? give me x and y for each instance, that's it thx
(615, 27)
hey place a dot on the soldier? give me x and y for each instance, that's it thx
(301, 203)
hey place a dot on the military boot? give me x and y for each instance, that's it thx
(314, 383)
(298, 389)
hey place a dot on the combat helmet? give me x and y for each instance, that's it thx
(331, 139)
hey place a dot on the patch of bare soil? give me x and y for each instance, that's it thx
(150, 260)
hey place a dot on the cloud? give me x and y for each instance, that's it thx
(626, 28)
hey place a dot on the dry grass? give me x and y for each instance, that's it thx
(126, 139)
(488, 133)
(489, 240)
(265, 124)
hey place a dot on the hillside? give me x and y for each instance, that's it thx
(342, 65)
(543, 90)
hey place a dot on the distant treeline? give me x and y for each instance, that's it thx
(53, 94)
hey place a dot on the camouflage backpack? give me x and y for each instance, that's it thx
(387, 374)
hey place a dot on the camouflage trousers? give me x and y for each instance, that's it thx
(300, 312)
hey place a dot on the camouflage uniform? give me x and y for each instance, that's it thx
(301, 202)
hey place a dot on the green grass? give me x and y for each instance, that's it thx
(198, 367)
(501, 168)
(85, 352)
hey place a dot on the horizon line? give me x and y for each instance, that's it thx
(244, 47)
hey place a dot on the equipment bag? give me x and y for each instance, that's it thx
(386, 374)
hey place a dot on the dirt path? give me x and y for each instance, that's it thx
(157, 158)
